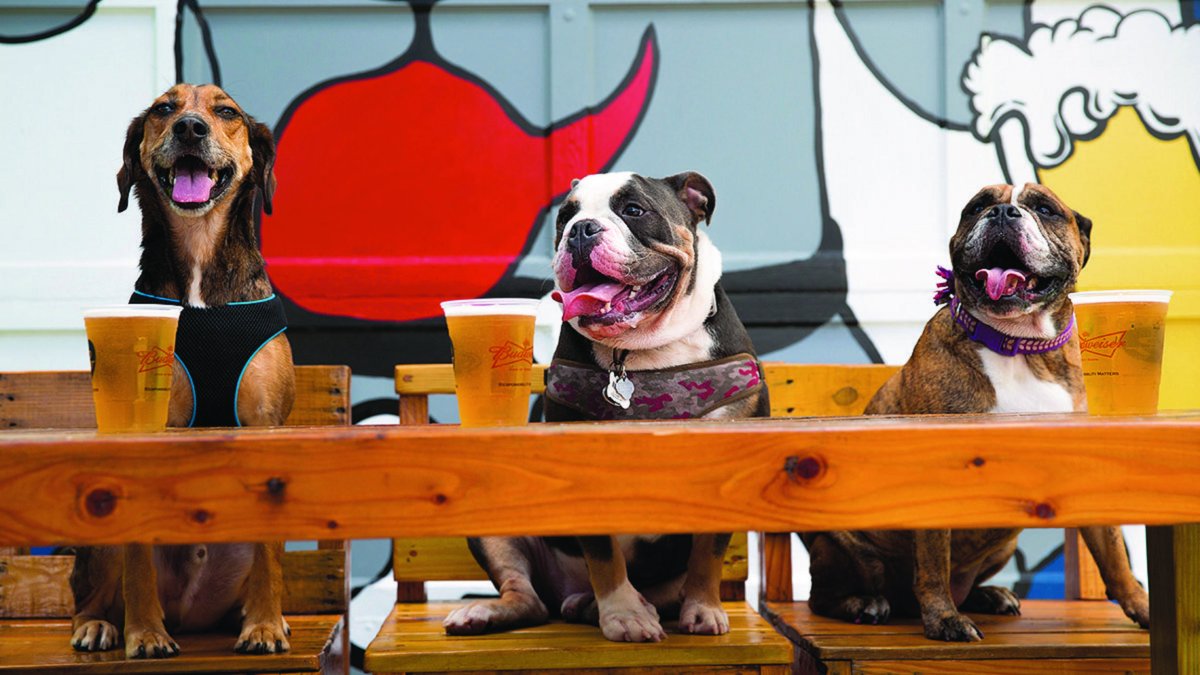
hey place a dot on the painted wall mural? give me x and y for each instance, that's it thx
(423, 146)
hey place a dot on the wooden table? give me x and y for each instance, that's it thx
(547, 479)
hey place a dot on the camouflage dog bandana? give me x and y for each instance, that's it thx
(683, 392)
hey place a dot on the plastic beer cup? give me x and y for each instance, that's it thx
(492, 341)
(1121, 346)
(132, 349)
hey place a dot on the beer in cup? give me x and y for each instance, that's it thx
(1121, 346)
(493, 359)
(132, 349)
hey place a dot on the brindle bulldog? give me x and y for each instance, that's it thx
(648, 334)
(1005, 343)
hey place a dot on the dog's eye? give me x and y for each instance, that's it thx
(1045, 210)
(227, 112)
(977, 209)
(632, 210)
(164, 109)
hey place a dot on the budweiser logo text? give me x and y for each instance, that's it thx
(510, 353)
(155, 358)
(1102, 345)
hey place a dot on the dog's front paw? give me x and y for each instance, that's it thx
(953, 628)
(870, 610)
(149, 643)
(703, 617)
(992, 600)
(264, 637)
(1136, 605)
(625, 616)
(96, 635)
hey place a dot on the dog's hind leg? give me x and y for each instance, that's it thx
(846, 584)
(145, 635)
(1107, 545)
(931, 585)
(509, 564)
(264, 630)
(96, 585)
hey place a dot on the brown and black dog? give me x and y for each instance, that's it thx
(197, 163)
(1016, 255)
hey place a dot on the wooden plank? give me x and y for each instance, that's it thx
(50, 400)
(1006, 667)
(39, 646)
(39, 586)
(669, 670)
(449, 559)
(1174, 556)
(322, 396)
(1046, 629)
(412, 640)
(63, 399)
(1082, 576)
(823, 390)
(776, 571)
(559, 479)
(36, 586)
(438, 378)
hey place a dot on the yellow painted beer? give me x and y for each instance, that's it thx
(1121, 346)
(493, 359)
(133, 355)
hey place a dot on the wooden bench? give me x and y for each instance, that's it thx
(1084, 634)
(36, 604)
(412, 639)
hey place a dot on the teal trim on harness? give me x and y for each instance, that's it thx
(192, 384)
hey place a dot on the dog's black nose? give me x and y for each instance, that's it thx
(190, 128)
(1005, 212)
(583, 233)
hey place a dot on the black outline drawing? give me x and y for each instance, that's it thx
(76, 21)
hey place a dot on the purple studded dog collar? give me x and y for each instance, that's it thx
(694, 390)
(978, 331)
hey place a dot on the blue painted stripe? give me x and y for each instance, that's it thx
(192, 384)
(246, 365)
(155, 297)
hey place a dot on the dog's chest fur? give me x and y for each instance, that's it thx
(1018, 389)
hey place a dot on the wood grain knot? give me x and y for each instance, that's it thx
(845, 396)
(201, 516)
(276, 486)
(1043, 511)
(100, 502)
(333, 525)
(978, 461)
(799, 469)
(440, 498)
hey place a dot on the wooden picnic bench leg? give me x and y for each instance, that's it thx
(1174, 556)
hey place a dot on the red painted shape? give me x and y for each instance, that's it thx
(405, 189)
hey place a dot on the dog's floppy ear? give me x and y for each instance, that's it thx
(696, 193)
(131, 161)
(262, 147)
(1085, 235)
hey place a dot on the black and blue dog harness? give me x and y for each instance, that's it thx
(214, 345)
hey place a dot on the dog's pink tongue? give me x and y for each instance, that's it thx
(191, 186)
(587, 299)
(1000, 282)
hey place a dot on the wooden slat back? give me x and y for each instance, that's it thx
(424, 379)
(818, 390)
(447, 559)
(38, 586)
(63, 399)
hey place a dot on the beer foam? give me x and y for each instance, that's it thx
(1068, 79)
(144, 310)
(1139, 295)
(491, 307)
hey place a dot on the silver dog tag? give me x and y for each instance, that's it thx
(619, 391)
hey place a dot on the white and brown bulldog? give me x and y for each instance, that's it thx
(1005, 343)
(648, 334)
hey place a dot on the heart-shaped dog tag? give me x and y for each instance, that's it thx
(619, 391)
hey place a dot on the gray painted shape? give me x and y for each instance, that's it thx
(270, 55)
